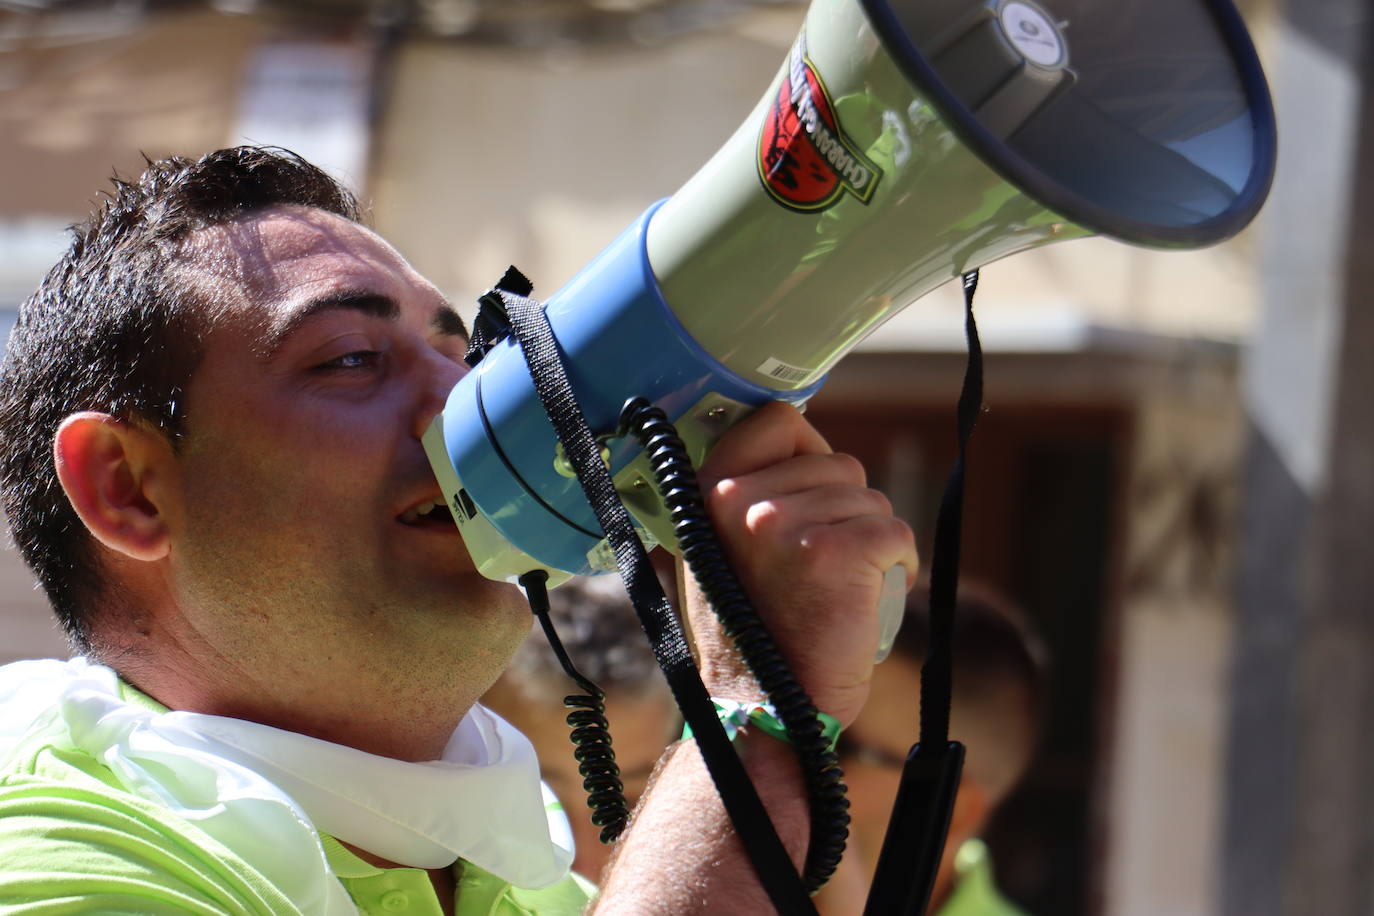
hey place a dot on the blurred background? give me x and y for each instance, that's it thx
(1175, 473)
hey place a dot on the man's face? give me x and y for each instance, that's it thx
(297, 542)
(874, 749)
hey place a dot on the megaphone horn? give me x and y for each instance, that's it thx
(900, 145)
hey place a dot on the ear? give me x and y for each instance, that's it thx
(972, 808)
(114, 474)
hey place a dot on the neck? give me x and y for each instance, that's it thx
(402, 729)
(401, 717)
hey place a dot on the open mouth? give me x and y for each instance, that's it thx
(427, 514)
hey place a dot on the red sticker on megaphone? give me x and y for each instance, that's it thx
(805, 160)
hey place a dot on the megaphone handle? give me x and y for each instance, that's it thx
(891, 610)
(745, 809)
(910, 858)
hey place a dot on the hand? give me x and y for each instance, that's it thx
(810, 543)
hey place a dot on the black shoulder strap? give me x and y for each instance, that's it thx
(915, 840)
(936, 677)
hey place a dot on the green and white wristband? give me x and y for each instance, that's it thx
(738, 716)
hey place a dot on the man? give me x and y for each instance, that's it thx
(597, 627)
(212, 411)
(999, 690)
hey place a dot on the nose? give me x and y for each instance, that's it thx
(440, 374)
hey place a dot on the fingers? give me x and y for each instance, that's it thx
(783, 481)
(798, 474)
(880, 542)
(816, 506)
(772, 433)
(812, 544)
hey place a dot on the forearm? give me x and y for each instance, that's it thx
(680, 854)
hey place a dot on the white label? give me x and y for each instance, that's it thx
(1033, 33)
(784, 372)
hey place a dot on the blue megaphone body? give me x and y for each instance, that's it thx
(899, 146)
(504, 473)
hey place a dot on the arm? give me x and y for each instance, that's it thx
(811, 544)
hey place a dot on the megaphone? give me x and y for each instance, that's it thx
(900, 145)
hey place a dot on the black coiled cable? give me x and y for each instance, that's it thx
(591, 738)
(701, 549)
(591, 735)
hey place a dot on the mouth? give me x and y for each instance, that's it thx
(428, 514)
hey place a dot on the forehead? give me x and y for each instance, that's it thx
(264, 265)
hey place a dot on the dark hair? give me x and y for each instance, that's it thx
(993, 642)
(599, 630)
(116, 327)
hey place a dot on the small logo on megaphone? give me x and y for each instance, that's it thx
(806, 161)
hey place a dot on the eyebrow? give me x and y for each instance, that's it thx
(445, 319)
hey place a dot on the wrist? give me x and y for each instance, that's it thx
(739, 717)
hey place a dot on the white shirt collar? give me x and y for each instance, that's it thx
(242, 782)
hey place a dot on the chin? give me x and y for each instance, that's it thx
(475, 597)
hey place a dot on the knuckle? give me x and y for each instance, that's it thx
(819, 545)
(763, 517)
(723, 493)
(904, 535)
(897, 529)
(849, 468)
(882, 505)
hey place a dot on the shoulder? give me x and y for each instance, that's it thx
(976, 893)
(82, 847)
(74, 838)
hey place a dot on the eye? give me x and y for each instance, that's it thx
(353, 360)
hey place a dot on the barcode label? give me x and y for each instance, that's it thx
(783, 372)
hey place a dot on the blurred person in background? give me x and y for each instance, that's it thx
(602, 636)
(999, 692)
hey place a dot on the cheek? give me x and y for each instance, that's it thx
(299, 498)
(260, 443)
(288, 483)
(871, 791)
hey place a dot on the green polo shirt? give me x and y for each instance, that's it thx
(72, 840)
(975, 893)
